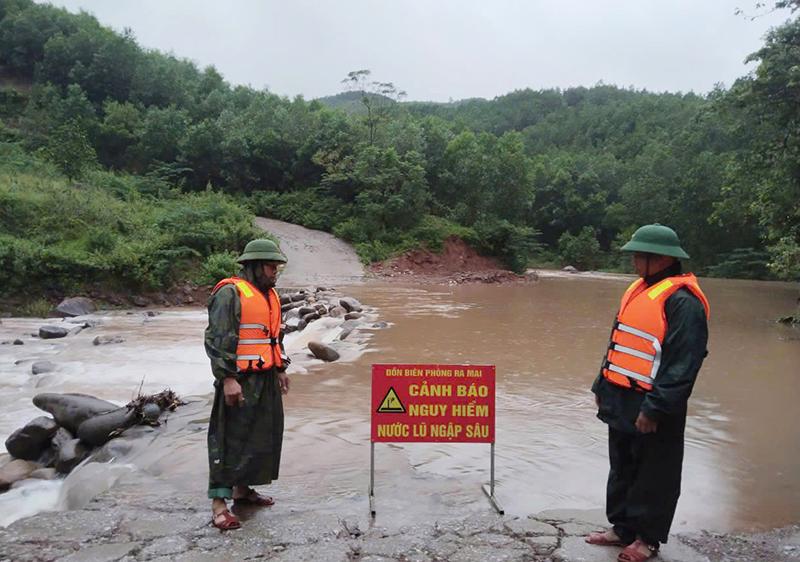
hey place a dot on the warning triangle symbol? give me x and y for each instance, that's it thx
(391, 404)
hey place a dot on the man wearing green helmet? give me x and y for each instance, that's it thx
(657, 346)
(244, 342)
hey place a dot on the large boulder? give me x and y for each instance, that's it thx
(15, 471)
(75, 306)
(30, 441)
(70, 455)
(71, 410)
(52, 332)
(97, 430)
(322, 351)
(350, 304)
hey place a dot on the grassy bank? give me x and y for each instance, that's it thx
(111, 232)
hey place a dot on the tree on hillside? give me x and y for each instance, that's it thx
(70, 150)
(378, 98)
(764, 180)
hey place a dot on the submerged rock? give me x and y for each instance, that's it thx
(30, 441)
(43, 474)
(76, 306)
(322, 351)
(104, 340)
(42, 367)
(98, 429)
(52, 332)
(15, 471)
(71, 410)
(70, 455)
(352, 316)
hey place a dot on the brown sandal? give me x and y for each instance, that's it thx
(229, 520)
(254, 498)
(631, 552)
(599, 538)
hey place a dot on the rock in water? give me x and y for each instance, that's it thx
(352, 316)
(52, 332)
(310, 317)
(42, 367)
(104, 340)
(322, 351)
(29, 442)
(350, 304)
(151, 412)
(97, 430)
(71, 410)
(43, 474)
(337, 311)
(70, 455)
(15, 471)
(75, 306)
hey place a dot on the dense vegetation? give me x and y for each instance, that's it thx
(145, 154)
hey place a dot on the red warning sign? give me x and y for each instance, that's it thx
(433, 403)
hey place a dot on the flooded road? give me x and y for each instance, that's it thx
(742, 465)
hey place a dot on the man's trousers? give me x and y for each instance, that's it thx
(644, 482)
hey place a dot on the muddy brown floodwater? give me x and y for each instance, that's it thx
(742, 465)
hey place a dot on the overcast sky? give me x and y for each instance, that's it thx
(442, 49)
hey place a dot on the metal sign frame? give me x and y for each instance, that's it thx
(488, 489)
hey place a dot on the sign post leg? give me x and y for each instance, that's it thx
(372, 478)
(489, 490)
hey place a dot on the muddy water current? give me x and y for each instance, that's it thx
(742, 463)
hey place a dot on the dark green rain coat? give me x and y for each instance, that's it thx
(644, 479)
(244, 442)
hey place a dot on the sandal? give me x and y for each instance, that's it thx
(631, 552)
(228, 520)
(601, 539)
(254, 498)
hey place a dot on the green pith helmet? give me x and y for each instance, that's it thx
(262, 249)
(656, 239)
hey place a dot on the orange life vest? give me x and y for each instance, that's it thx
(259, 328)
(634, 350)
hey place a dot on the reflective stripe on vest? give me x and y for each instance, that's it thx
(634, 350)
(259, 328)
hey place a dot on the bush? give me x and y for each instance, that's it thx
(432, 231)
(375, 250)
(742, 263)
(218, 266)
(312, 208)
(581, 251)
(513, 244)
(58, 238)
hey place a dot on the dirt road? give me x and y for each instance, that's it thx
(315, 257)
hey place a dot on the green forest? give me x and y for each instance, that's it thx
(132, 169)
